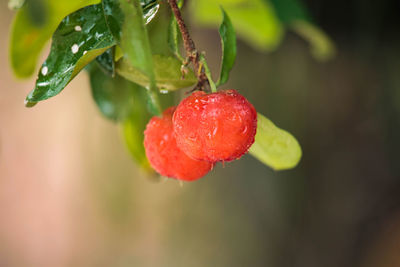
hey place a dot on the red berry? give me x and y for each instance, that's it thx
(215, 127)
(164, 155)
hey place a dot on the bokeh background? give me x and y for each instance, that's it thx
(70, 194)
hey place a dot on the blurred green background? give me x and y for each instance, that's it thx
(70, 195)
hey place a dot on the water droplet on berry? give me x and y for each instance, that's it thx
(215, 131)
(244, 131)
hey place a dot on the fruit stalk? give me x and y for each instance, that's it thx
(192, 54)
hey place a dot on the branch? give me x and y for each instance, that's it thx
(192, 54)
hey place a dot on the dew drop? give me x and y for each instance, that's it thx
(215, 130)
(44, 70)
(78, 28)
(244, 131)
(75, 48)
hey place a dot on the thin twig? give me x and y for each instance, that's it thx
(191, 53)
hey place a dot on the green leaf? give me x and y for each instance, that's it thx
(254, 20)
(28, 37)
(322, 47)
(150, 9)
(289, 11)
(275, 147)
(173, 37)
(113, 96)
(79, 39)
(167, 71)
(134, 126)
(106, 61)
(115, 16)
(294, 15)
(228, 43)
(134, 40)
(125, 19)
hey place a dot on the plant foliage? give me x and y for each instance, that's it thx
(113, 39)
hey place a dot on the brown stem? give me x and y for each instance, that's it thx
(191, 53)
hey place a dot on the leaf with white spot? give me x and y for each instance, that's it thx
(28, 37)
(79, 39)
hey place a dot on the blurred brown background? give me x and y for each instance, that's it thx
(70, 195)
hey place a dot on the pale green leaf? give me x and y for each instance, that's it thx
(275, 147)
(322, 47)
(167, 71)
(254, 20)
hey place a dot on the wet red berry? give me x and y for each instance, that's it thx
(215, 127)
(164, 155)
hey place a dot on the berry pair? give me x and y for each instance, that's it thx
(186, 142)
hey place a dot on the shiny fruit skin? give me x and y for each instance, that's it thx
(164, 155)
(215, 127)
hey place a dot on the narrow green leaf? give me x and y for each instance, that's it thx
(106, 61)
(228, 43)
(167, 71)
(208, 74)
(275, 147)
(322, 47)
(79, 39)
(28, 38)
(113, 96)
(255, 21)
(173, 37)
